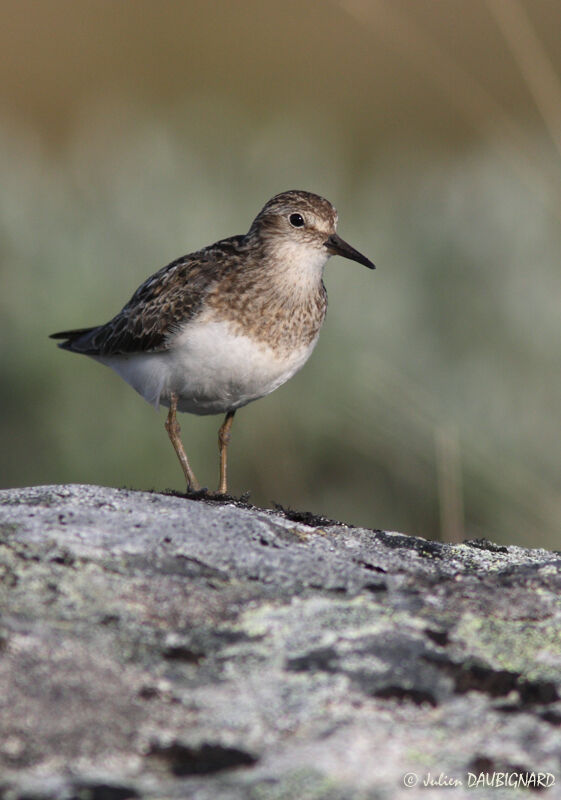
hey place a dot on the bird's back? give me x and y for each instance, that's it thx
(160, 306)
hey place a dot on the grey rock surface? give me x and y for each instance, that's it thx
(158, 647)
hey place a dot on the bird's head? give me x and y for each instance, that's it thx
(300, 228)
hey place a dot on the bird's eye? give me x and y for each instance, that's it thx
(296, 220)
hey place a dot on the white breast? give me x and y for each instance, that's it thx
(211, 368)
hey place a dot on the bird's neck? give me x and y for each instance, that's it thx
(296, 270)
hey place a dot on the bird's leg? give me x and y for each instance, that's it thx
(223, 441)
(173, 429)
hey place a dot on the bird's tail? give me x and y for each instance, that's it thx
(78, 341)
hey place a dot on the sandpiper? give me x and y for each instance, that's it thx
(228, 324)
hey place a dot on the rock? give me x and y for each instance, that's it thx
(156, 647)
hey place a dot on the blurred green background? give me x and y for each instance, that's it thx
(134, 132)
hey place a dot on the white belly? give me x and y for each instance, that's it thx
(211, 369)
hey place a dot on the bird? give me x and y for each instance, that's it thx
(225, 325)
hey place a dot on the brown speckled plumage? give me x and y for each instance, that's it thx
(232, 276)
(166, 300)
(255, 306)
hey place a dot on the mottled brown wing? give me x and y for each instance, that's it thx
(170, 297)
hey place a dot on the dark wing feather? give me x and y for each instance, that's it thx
(166, 300)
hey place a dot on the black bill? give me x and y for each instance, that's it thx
(338, 247)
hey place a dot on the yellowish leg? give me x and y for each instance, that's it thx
(223, 442)
(174, 431)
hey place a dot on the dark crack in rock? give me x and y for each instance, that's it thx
(206, 759)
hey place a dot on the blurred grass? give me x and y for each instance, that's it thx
(436, 384)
